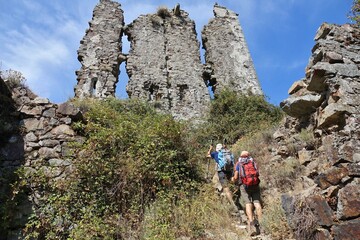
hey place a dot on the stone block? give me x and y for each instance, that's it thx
(321, 210)
(349, 230)
(348, 202)
(332, 176)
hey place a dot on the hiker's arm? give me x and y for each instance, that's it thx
(235, 177)
(236, 173)
(209, 152)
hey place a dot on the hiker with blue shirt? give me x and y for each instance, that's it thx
(224, 166)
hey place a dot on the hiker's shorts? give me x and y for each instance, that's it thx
(224, 178)
(250, 194)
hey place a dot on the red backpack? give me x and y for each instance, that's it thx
(249, 174)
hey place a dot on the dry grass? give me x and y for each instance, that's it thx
(199, 218)
(163, 12)
(307, 137)
(274, 220)
(305, 221)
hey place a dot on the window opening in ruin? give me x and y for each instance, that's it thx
(120, 88)
(182, 91)
(206, 75)
(93, 86)
(125, 44)
(153, 93)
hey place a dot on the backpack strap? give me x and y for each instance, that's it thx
(255, 166)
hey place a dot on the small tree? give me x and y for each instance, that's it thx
(13, 78)
(354, 15)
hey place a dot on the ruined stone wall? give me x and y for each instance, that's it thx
(228, 60)
(164, 63)
(100, 52)
(327, 101)
(35, 134)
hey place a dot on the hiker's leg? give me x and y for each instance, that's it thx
(258, 210)
(246, 202)
(257, 202)
(223, 181)
(229, 196)
(249, 212)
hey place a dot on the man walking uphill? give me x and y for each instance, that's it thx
(247, 173)
(224, 167)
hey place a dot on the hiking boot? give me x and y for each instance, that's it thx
(252, 229)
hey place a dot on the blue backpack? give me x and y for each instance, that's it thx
(226, 160)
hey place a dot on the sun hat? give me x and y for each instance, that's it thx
(244, 154)
(218, 147)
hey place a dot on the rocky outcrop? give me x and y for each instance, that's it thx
(100, 52)
(326, 103)
(228, 60)
(164, 64)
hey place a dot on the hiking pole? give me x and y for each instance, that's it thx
(208, 163)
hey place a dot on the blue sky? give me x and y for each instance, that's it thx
(40, 37)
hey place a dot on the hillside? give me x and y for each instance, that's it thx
(96, 167)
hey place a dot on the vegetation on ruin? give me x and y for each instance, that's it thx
(140, 174)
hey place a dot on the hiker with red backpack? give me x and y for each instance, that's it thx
(247, 175)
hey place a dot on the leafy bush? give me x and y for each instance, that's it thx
(354, 14)
(233, 115)
(13, 78)
(131, 156)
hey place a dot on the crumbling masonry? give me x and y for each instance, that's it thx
(163, 64)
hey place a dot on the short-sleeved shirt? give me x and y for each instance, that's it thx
(215, 156)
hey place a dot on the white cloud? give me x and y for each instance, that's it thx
(42, 45)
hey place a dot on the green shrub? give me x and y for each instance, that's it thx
(354, 14)
(233, 115)
(13, 78)
(131, 156)
(307, 137)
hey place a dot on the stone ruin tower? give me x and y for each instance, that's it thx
(163, 64)
(228, 60)
(100, 52)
